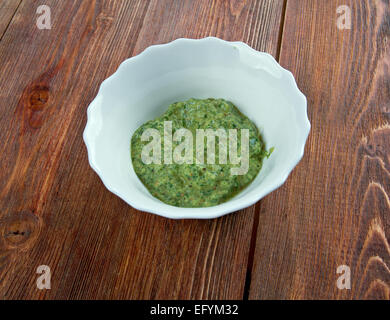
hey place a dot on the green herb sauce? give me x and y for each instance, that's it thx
(198, 185)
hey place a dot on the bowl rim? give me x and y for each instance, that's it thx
(225, 208)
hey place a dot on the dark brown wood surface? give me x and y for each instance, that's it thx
(7, 10)
(333, 210)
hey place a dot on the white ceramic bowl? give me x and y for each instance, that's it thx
(143, 87)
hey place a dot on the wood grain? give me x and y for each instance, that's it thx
(7, 11)
(54, 209)
(50, 76)
(334, 209)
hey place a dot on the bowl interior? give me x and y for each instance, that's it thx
(145, 85)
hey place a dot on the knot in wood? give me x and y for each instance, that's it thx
(19, 230)
(39, 97)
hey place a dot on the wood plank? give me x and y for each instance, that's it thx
(54, 209)
(334, 209)
(7, 11)
(48, 79)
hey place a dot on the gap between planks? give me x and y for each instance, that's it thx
(281, 30)
(10, 20)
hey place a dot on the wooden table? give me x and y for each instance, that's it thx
(333, 210)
